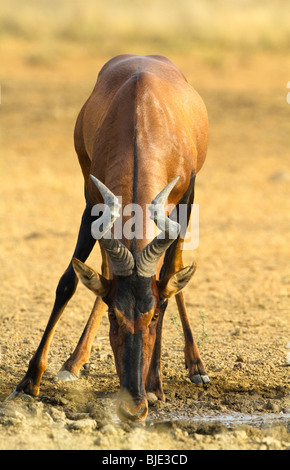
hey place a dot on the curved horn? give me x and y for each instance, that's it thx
(150, 255)
(121, 257)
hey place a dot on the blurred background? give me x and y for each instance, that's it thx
(236, 55)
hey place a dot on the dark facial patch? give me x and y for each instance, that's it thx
(133, 360)
(134, 295)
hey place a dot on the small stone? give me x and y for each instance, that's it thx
(279, 175)
(240, 359)
(237, 332)
(238, 365)
(152, 398)
(272, 407)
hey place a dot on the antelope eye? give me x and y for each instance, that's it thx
(155, 317)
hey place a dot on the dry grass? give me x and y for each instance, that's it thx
(176, 25)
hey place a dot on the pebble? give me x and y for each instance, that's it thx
(279, 176)
(240, 359)
(152, 398)
(272, 407)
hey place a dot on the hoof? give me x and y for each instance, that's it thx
(66, 376)
(200, 380)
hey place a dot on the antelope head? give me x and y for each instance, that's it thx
(134, 297)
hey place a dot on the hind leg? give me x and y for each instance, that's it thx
(193, 360)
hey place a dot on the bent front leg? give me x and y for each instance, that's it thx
(71, 368)
(31, 382)
(65, 290)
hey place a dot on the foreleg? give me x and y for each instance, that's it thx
(65, 290)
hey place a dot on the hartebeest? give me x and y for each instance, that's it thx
(141, 135)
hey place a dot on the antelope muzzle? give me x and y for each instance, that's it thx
(132, 363)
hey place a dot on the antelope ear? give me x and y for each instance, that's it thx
(92, 280)
(174, 283)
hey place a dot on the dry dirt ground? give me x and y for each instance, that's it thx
(238, 301)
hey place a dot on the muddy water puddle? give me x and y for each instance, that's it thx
(229, 420)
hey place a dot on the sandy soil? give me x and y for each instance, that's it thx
(238, 301)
